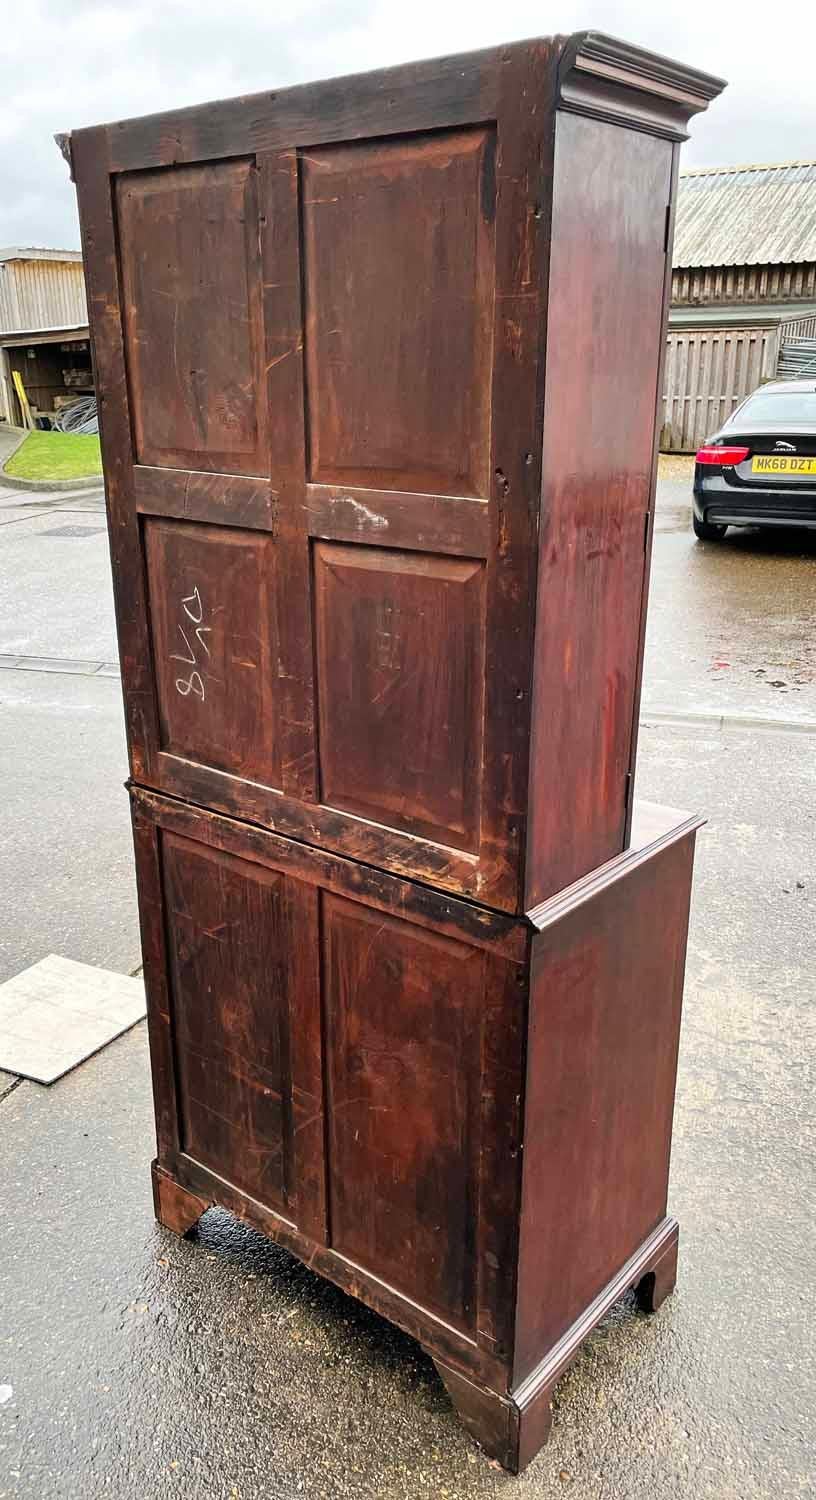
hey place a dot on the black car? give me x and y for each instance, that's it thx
(759, 468)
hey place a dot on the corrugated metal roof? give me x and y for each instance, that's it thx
(32, 252)
(746, 216)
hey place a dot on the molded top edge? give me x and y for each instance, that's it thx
(594, 51)
(603, 76)
(653, 828)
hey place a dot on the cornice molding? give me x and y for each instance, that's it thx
(63, 140)
(611, 80)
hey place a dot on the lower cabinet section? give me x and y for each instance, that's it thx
(342, 1048)
(461, 1117)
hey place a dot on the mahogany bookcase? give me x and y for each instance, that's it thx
(378, 363)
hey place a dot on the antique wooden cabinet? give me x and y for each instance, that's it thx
(378, 363)
(460, 1116)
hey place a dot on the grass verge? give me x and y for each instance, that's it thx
(56, 455)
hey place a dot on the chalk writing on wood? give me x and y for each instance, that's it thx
(194, 628)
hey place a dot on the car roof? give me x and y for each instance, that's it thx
(775, 387)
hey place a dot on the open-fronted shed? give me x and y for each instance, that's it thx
(43, 330)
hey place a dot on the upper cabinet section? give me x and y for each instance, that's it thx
(191, 312)
(378, 364)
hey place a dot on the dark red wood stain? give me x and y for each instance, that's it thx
(428, 322)
(404, 1020)
(191, 303)
(607, 269)
(399, 671)
(493, 1167)
(230, 1014)
(605, 999)
(399, 276)
(213, 597)
(378, 363)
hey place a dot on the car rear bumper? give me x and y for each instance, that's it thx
(722, 504)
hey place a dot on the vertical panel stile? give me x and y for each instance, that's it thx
(154, 956)
(279, 230)
(91, 161)
(302, 936)
(504, 1019)
(523, 195)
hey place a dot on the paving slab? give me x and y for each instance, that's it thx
(57, 1013)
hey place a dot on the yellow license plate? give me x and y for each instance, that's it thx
(774, 463)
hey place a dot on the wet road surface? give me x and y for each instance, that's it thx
(141, 1365)
(731, 623)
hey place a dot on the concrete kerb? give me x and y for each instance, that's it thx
(51, 487)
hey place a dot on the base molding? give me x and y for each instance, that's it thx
(512, 1428)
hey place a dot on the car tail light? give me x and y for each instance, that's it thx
(721, 455)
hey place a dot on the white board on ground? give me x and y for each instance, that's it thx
(59, 1012)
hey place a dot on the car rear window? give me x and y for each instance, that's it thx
(779, 407)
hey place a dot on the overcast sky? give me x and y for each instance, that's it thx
(67, 63)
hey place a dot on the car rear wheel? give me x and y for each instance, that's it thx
(707, 531)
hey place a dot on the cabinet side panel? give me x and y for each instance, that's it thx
(605, 332)
(605, 1002)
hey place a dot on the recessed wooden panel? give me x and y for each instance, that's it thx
(400, 662)
(229, 966)
(191, 306)
(403, 1011)
(399, 267)
(212, 606)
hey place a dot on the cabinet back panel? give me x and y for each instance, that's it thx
(430, 327)
(400, 664)
(403, 1019)
(212, 605)
(229, 980)
(191, 302)
(398, 273)
(344, 1048)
